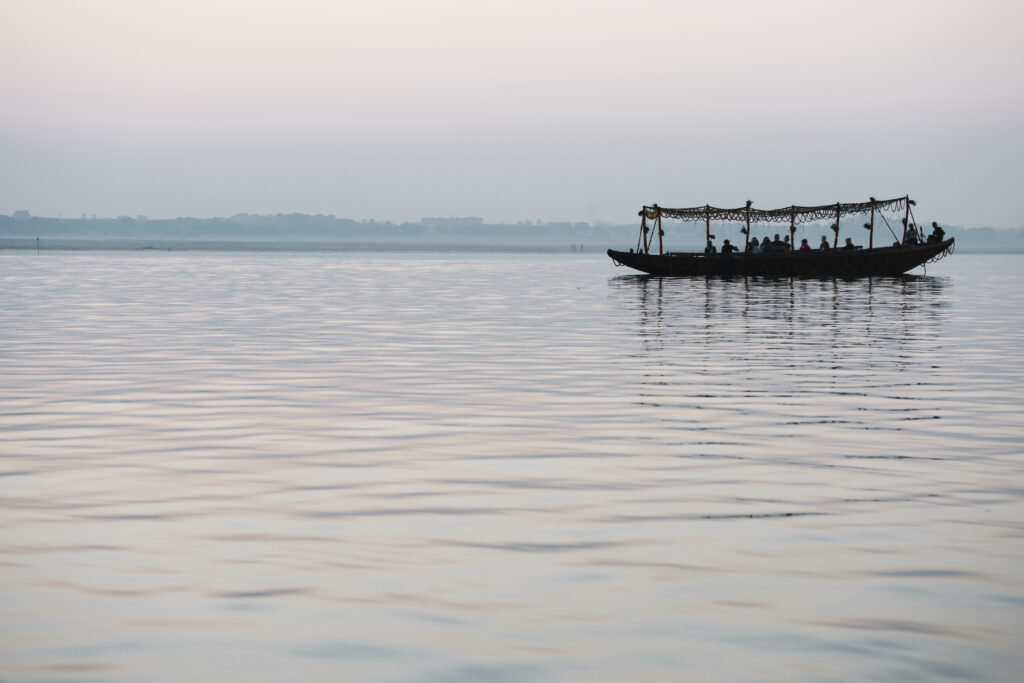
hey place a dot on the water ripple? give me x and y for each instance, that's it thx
(505, 467)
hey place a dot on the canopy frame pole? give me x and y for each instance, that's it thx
(707, 232)
(643, 229)
(906, 219)
(792, 228)
(871, 231)
(707, 224)
(661, 233)
(835, 242)
(746, 242)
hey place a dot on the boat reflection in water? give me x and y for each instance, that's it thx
(799, 309)
(784, 348)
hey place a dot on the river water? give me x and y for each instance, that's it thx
(505, 467)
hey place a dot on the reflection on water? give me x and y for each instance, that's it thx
(732, 327)
(505, 467)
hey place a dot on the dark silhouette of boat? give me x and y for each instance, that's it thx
(905, 253)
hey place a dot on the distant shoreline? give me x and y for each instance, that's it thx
(304, 232)
(59, 244)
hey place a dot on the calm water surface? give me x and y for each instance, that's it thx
(505, 467)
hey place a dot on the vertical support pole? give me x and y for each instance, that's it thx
(871, 232)
(643, 229)
(906, 220)
(707, 234)
(707, 224)
(746, 243)
(835, 242)
(792, 228)
(661, 246)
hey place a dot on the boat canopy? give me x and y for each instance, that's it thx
(794, 215)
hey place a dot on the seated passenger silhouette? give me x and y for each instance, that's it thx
(804, 246)
(849, 244)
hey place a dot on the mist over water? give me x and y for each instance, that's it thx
(463, 466)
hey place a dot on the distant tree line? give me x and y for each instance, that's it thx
(306, 227)
(300, 227)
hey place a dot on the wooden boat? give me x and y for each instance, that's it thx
(907, 252)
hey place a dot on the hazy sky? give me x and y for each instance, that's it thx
(509, 110)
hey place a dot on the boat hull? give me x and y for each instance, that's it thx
(829, 263)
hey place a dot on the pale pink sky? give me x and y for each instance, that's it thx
(576, 110)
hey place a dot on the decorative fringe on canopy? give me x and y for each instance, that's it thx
(789, 214)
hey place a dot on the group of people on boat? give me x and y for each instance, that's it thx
(782, 245)
(913, 239)
(767, 246)
(773, 246)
